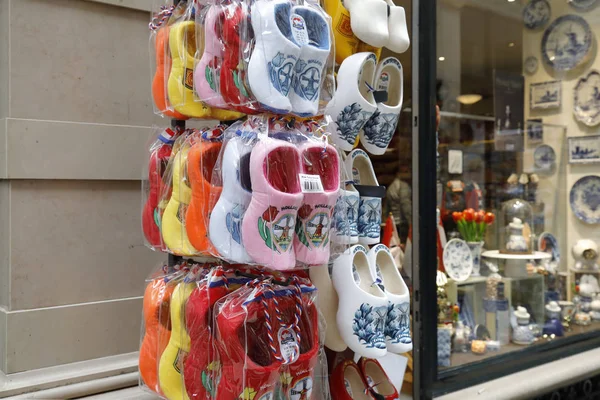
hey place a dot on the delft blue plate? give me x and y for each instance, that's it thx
(586, 99)
(536, 14)
(458, 261)
(548, 244)
(531, 65)
(585, 199)
(583, 5)
(544, 156)
(567, 42)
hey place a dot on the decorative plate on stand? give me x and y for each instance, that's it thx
(583, 5)
(536, 14)
(548, 244)
(585, 199)
(531, 65)
(586, 99)
(458, 261)
(567, 42)
(544, 156)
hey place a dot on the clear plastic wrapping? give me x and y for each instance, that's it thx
(156, 322)
(274, 188)
(267, 342)
(212, 331)
(214, 60)
(153, 183)
(290, 69)
(173, 220)
(201, 159)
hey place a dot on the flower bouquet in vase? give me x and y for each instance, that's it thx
(472, 225)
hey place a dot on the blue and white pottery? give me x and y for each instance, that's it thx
(458, 260)
(585, 199)
(586, 99)
(536, 14)
(583, 5)
(516, 242)
(475, 248)
(567, 42)
(444, 346)
(521, 333)
(584, 149)
(544, 156)
(531, 65)
(548, 244)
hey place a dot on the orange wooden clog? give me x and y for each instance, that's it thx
(163, 68)
(157, 330)
(201, 162)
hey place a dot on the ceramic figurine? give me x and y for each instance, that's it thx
(582, 318)
(513, 189)
(567, 308)
(444, 346)
(462, 338)
(595, 306)
(516, 242)
(553, 325)
(585, 252)
(588, 286)
(534, 180)
(522, 334)
(478, 347)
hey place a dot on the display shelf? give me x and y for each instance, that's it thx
(584, 271)
(469, 281)
(536, 255)
(527, 290)
(458, 359)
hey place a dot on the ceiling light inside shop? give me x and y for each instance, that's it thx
(511, 44)
(468, 99)
(511, 1)
(442, 58)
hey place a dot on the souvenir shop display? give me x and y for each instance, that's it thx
(522, 333)
(536, 14)
(496, 307)
(379, 23)
(544, 157)
(472, 226)
(363, 381)
(582, 315)
(585, 253)
(567, 309)
(531, 65)
(462, 338)
(595, 308)
(368, 100)
(584, 199)
(583, 5)
(274, 199)
(553, 325)
(567, 42)
(585, 105)
(517, 219)
(549, 244)
(458, 260)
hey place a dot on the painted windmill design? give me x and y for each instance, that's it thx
(317, 229)
(351, 212)
(302, 390)
(283, 231)
(267, 396)
(369, 217)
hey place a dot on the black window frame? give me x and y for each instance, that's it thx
(428, 381)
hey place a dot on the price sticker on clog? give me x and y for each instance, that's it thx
(311, 183)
